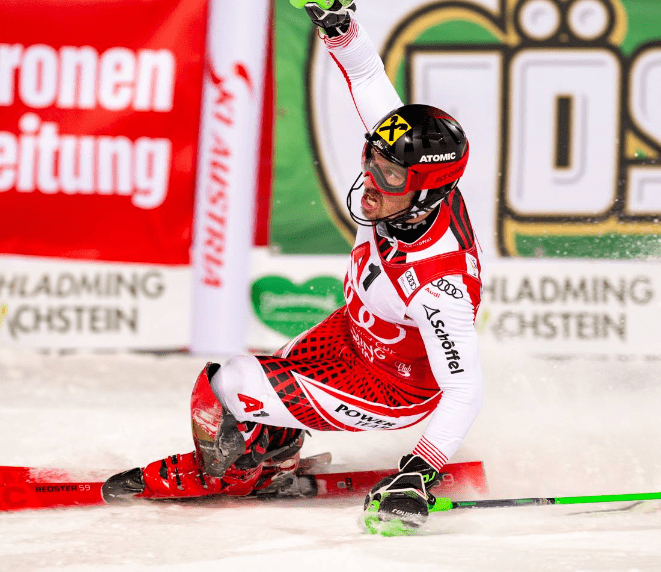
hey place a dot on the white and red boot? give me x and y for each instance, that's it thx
(230, 457)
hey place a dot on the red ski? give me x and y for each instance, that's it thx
(28, 488)
(456, 477)
(23, 487)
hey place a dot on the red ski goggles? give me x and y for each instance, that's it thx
(393, 179)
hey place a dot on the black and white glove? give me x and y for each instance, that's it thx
(333, 17)
(399, 504)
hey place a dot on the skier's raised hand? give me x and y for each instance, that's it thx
(333, 17)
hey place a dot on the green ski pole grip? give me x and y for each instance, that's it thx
(323, 4)
(441, 505)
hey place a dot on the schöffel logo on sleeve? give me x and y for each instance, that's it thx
(409, 281)
(451, 353)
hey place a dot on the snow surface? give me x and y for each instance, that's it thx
(548, 428)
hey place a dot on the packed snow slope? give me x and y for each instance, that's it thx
(548, 428)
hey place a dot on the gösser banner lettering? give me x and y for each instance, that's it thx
(99, 115)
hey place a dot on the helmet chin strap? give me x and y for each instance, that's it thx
(419, 207)
(400, 219)
(415, 211)
(404, 224)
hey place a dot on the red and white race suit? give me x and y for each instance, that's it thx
(404, 345)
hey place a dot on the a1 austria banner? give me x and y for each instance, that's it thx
(232, 112)
(99, 121)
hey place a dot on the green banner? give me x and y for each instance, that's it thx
(291, 308)
(301, 221)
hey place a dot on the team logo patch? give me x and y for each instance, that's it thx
(409, 282)
(471, 266)
(393, 128)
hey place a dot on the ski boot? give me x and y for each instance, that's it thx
(219, 442)
(280, 464)
(266, 469)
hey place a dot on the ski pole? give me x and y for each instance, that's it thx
(445, 504)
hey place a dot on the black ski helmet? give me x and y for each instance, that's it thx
(427, 142)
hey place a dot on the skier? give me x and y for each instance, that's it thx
(402, 348)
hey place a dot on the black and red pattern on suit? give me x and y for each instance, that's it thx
(327, 354)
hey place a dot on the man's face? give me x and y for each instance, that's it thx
(377, 205)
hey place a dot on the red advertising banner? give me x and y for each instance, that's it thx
(99, 119)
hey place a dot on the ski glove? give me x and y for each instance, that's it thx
(333, 17)
(399, 504)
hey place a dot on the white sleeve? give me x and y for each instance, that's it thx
(448, 332)
(373, 94)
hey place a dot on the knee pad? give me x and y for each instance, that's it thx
(218, 440)
(206, 410)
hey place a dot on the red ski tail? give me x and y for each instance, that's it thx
(22, 487)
